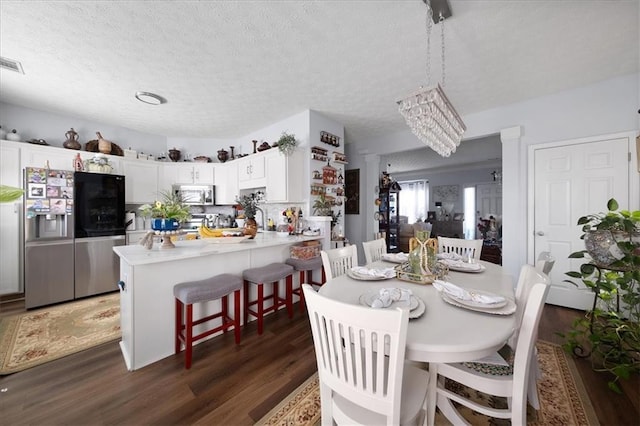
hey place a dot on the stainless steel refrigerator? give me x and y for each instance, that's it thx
(72, 222)
(49, 249)
(99, 226)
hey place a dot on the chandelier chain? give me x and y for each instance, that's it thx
(429, 26)
(442, 44)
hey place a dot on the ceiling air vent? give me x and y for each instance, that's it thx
(10, 64)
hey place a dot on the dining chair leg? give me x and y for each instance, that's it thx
(431, 393)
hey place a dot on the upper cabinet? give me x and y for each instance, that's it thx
(58, 158)
(251, 171)
(190, 173)
(226, 177)
(284, 174)
(141, 181)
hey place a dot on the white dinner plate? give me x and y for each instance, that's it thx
(395, 257)
(458, 268)
(368, 298)
(475, 304)
(416, 307)
(507, 309)
(366, 277)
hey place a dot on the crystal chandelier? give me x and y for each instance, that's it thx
(428, 112)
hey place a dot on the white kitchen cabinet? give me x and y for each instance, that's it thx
(284, 181)
(10, 222)
(251, 171)
(41, 156)
(190, 173)
(226, 177)
(141, 181)
(59, 158)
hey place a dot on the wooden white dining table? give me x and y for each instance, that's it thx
(444, 333)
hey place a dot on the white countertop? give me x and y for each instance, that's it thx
(138, 255)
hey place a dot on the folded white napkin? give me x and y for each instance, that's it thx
(459, 264)
(395, 257)
(374, 272)
(463, 294)
(449, 256)
(386, 296)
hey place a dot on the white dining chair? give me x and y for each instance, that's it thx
(465, 248)
(545, 262)
(511, 384)
(373, 250)
(363, 376)
(338, 261)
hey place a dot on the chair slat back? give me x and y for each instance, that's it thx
(460, 246)
(360, 353)
(338, 261)
(527, 335)
(373, 250)
(527, 278)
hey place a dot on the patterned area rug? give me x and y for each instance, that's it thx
(42, 335)
(563, 399)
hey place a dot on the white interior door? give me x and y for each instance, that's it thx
(570, 181)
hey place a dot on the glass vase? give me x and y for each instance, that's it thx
(422, 257)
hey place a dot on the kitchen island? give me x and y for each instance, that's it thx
(147, 277)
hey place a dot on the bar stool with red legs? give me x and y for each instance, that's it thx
(272, 273)
(306, 267)
(213, 288)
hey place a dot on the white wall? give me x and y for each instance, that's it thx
(607, 107)
(35, 124)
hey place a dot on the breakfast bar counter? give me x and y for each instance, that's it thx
(147, 278)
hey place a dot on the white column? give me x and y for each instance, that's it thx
(514, 201)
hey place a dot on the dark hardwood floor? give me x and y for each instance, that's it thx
(227, 384)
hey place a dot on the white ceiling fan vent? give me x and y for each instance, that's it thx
(10, 64)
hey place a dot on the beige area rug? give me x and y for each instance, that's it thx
(42, 335)
(563, 398)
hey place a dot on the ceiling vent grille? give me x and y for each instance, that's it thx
(10, 64)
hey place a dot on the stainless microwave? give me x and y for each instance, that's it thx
(201, 195)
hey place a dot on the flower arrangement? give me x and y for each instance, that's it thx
(172, 206)
(249, 205)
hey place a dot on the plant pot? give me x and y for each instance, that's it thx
(251, 226)
(162, 224)
(602, 245)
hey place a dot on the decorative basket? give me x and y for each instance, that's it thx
(404, 273)
(304, 252)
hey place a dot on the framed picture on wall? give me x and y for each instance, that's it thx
(352, 191)
(431, 216)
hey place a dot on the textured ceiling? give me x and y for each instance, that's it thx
(230, 68)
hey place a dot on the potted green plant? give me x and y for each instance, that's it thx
(249, 205)
(610, 333)
(322, 206)
(287, 143)
(168, 213)
(610, 238)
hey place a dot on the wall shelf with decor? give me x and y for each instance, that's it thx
(339, 157)
(330, 139)
(319, 154)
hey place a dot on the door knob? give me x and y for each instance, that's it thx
(540, 233)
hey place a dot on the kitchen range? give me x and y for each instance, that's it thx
(72, 222)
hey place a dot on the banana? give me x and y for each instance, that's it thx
(207, 232)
